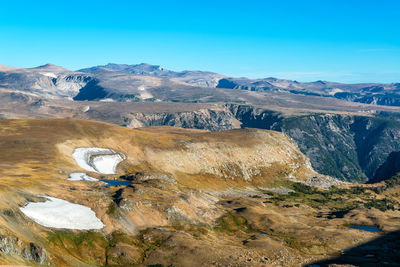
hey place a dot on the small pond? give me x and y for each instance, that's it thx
(115, 183)
(366, 228)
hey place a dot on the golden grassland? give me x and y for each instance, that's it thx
(174, 220)
(35, 159)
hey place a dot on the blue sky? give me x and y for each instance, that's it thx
(337, 40)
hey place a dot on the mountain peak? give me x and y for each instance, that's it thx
(6, 68)
(50, 67)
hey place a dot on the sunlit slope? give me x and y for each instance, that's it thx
(36, 160)
(29, 147)
(190, 188)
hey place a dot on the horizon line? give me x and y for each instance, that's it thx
(248, 76)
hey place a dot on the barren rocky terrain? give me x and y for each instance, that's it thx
(236, 198)
(164, 167)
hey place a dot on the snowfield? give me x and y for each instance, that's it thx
(58, 213)
(86, 109)
(80, 176)
(49, 74)
(100, 160)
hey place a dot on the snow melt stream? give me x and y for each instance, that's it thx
(100, 160)
(58, 213)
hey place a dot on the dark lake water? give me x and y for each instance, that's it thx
(366, 228)
(115, 183)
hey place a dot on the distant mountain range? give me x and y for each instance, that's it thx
(370, 93)
(197, 78)
(144, 82)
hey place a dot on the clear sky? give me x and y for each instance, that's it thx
(305, 40)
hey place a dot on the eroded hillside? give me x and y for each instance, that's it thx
(239, 197)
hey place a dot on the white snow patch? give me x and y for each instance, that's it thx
(80, 176)
(100, 160)
(49, 74)
(145, 95)
(334, 91)
(58, 213)
(86, 108)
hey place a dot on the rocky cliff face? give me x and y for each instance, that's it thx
(345, 146)
(349, 147)
(382, 98)
(44, 83)
(12, 246)
(206, 119)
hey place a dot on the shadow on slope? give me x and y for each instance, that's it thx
(91, 91)
(382, 251)
(388, 169)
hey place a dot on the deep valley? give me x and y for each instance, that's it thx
(135, 165)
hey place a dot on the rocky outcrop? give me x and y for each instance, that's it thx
(246, 84)
(71, 83)
(385, 99)
(45, 84)
(207, 119)
(35, 253)
(10, 245)
(14, 247)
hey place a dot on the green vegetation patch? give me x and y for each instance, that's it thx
(230, 223)
(380, 204)
(112, 208)
(78, 239)
(120, 237)
(88, 246)
(335, 199)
